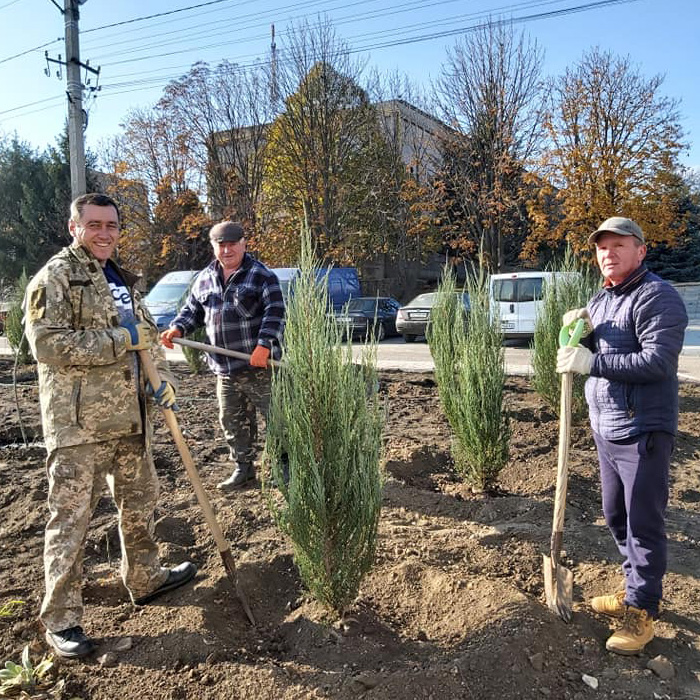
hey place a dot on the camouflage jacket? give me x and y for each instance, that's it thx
(89, 385)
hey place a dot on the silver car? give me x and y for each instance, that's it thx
(413, 318)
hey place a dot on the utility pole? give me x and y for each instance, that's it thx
(74, 92)
(74, 87)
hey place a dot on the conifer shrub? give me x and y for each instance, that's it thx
(470, 375)
(560, 294)
(195, 358)
(325, 415)
(14, 328)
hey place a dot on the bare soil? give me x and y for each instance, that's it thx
(454, 607)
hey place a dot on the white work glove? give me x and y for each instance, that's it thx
(577, 359)
(570, 317)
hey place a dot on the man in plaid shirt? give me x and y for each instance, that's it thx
(238, 301)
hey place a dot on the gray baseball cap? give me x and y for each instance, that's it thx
(226, 231)
(619, 225)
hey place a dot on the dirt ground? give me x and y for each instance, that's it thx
(454, 607)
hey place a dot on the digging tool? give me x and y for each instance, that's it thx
(558, 580)
(224, 550)
(215, 350)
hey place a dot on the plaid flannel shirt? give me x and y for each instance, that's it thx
(246, 311)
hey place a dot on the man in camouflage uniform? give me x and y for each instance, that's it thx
(239, 302)
(85, 324)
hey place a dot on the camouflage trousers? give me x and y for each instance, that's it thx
(239, 395)
(76, 480)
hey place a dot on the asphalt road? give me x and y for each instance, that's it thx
(394, 353)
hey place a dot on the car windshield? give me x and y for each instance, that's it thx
(423, 300)
(365, 305)
(429, 299)
(164, 293)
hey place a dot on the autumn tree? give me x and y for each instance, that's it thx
(323, 151)
(153, 159)
(489, 92)
(613, 148)
(225, 111)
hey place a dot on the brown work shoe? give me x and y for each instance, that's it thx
(636, 631)
(613, 605)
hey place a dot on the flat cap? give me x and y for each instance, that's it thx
(619, 225)
(226, 231)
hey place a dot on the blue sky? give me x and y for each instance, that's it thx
(137, 58)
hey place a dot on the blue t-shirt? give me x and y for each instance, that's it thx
(120, 293)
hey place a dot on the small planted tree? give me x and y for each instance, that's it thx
(470, 374)
(325, 416)
(561, 293)
(14, 329)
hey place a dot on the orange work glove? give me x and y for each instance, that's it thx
(166, 337)
(260, 356)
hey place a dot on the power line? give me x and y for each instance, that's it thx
(36, 48)
(141, 84)
(160, 14)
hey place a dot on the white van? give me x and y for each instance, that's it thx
(517, 298)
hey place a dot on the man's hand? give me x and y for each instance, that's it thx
(570, 317)
(578, 360)
(166, 337)
(138, 335)
(165, 396)
(260, 356)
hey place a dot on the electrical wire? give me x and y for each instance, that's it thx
(141, 84)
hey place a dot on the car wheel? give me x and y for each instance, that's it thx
(380, 332)
(409, 338)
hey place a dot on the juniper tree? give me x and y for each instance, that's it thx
(326, 416)
(470, 374)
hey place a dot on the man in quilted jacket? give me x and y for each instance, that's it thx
(637, 324)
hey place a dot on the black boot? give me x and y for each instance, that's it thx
(176, 577)
(71, 643)
(242, 474)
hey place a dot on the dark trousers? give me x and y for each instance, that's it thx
(634, 485)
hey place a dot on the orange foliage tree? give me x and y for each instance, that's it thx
(613, 148)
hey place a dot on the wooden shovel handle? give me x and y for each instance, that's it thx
(563, 455)
(151, 371)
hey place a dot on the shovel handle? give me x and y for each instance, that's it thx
(567, 337)
(171, 421)
(216, 350)
(571, 334)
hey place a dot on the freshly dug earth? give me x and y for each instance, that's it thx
(453, 608)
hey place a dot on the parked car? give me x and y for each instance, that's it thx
(365, 316)
(517, 298)
(412, 319)
(167, 295)
(342, 283)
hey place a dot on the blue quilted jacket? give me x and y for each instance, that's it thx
(639, 326)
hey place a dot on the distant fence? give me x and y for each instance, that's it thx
(690, 293)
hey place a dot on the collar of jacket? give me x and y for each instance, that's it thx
(93, 266)
(630, 282)
(246, 264)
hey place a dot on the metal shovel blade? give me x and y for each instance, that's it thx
(558, 588)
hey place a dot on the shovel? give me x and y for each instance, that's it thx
(558, 580)
(216, 350)
(224, 550)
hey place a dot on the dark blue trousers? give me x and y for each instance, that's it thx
(634, 485)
